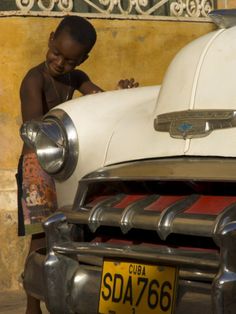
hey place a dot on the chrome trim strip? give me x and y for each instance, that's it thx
(170, 256)
(173, 168)
(184, 273)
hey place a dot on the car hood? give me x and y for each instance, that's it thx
(201, 77)
(116, 127)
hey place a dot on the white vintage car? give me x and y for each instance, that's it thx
(146, 183)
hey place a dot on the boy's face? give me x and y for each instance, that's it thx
(64, 54)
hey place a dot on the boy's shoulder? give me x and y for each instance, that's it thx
(34, 78)
(37, 70)
(35, 73)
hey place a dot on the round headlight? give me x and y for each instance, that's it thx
(51, 146)
(56, 144)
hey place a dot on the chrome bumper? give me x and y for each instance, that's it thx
(68, 287)
(68, 277)
(62, 286)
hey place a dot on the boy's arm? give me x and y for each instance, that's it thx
(82, 83)
(89, 87)
(86, 86)
(31, 96)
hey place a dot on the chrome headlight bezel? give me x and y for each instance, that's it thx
(55, 142)
(69, 133)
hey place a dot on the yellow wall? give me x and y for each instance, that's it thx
(140, 49)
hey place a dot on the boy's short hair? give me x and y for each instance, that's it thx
(79, 29)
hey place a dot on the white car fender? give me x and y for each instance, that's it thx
(96, 118)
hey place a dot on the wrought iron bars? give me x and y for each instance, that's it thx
(45, 5)
(124, 8)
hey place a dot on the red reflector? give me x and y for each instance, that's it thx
(211, 205)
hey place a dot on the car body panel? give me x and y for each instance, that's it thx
(97, 118)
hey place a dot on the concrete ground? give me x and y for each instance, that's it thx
(13, 302)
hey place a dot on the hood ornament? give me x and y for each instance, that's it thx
(194, 123)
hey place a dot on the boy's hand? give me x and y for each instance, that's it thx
(122, 84)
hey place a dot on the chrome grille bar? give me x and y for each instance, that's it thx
(168, 215)
(177, 257)
(172, 219)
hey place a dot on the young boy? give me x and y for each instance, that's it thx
(44, 87)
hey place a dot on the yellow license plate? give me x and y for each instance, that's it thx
(131, 288)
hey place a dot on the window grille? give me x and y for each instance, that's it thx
(122, 9)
